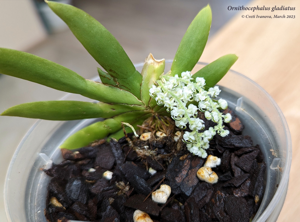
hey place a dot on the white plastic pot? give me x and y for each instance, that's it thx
(26, 185)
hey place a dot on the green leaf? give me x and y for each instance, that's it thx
(119, 134)
(214, 72)
(106, 78)
(68, 110)
(100, 130)
(101, 44)
(35, 69)
(192, 43)
(111, 94)
(152, 70)
(152, 103)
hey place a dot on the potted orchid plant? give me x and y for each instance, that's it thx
(148, 103)
(123, 92)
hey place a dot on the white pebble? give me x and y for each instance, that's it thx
(206, 174)
(145, 136)
(177, 136)
(108, 175)
(91, 170)
(212, 161)
(152, 171)
(162, 194)
(140, 216)
(160, 134)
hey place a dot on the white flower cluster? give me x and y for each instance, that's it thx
(183, 99)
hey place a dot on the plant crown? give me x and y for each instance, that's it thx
(184, 99)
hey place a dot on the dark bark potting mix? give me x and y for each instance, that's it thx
(113, 181)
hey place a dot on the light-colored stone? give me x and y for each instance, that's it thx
(108, 175)
(206, 174)
(145, 136)
(160, 134)
(177, 136)
(140, 216)
(162, 194)
(212, 161)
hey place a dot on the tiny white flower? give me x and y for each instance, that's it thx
(169, 85)
(181, 123)
(180, 85)
(187, 93)
(202, 105)
(207, 115)
(192, 110)
(215, 116)
(177, 113)
(200, 81)
(205, 140)
(169, 102)
(204, 154)
(191, 87)
(161, 96)
(212, 131)
(154, 90)
(187, 136)
(206, 146)
(179, 93)
(200, 96)
(189, 146)
(186, 75)
(223, 103)
(208, 106)
(207, 134)
(194, 149)
(227, 118)
(215, 91)
(159, 102)
(174, 80)
(196, 124)
(224, 133)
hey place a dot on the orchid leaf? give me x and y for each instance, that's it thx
(106, 78)
(214, 72)
(101, 44)
(68, 110)
(111, 94)
(100, 130)
(192, 43)
(35, 69)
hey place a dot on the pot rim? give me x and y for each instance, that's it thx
(285, 174)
